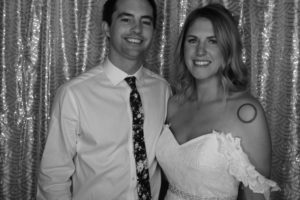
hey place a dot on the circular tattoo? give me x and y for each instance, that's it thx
(247, 113)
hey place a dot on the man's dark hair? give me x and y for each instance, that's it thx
(110, 7)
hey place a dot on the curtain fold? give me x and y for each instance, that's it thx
(45, 43)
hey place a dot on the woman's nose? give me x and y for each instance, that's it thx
(201, 48)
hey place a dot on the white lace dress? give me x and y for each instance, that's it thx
(209, 167)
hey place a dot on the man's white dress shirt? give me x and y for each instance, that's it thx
(89, 146)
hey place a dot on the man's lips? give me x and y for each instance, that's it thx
(134, 40)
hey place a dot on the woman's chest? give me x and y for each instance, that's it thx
(192, 122)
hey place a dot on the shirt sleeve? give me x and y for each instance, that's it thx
(57, 167)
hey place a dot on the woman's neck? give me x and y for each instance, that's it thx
(209, 91)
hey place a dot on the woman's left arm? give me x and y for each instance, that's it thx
(256, 142)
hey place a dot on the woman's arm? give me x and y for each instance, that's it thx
(256, 143)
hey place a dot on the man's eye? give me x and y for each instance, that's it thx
(125, 20)
(147, 22)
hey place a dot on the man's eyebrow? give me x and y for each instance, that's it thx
(148, 17)
(124, 14)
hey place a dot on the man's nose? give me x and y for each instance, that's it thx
(137, 27)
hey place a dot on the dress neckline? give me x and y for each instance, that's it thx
(191, 141)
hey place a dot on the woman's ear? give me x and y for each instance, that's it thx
(106, 28)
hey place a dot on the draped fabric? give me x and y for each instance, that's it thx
(45, 43)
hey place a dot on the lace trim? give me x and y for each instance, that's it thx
(186, 196)
(241, 168)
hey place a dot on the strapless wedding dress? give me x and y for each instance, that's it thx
(208, 167)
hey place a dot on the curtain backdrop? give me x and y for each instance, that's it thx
(44, 43)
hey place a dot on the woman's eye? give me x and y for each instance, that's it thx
(191, 40)
(213, 41)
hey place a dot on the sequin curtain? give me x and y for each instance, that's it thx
(44, 43)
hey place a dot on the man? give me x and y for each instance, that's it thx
(89, 153)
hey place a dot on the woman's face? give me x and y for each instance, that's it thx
(202, 54)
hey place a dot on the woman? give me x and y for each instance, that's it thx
(216, 136)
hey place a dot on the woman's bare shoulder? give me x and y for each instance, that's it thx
(251, 124)
(246, 107)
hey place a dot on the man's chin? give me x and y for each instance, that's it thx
(135, 56)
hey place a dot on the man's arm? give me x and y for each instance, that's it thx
(57, 162)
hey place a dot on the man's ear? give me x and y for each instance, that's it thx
(106, 28)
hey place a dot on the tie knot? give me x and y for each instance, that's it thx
(131, 82)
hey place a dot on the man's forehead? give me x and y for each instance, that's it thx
(134, 8)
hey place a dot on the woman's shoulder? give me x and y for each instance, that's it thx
(251, 126)
(245, 107)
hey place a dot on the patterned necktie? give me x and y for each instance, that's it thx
(139, 147)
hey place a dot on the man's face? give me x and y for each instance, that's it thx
(131, 30)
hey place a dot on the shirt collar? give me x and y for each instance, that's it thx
(115, 75)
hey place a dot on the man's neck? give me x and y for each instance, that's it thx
(128, 66)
